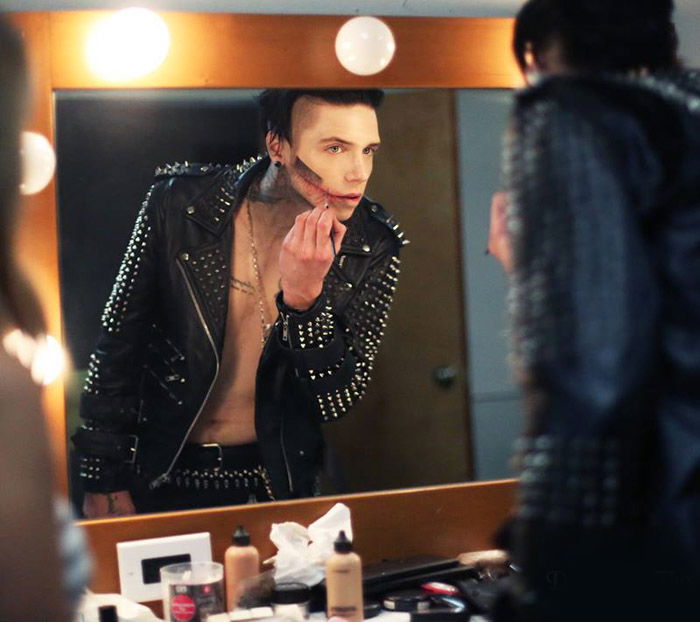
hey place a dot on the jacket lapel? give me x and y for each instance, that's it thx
(213, 207)
(208, 263)
(353, 257)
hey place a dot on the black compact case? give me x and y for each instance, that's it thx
(412, 572)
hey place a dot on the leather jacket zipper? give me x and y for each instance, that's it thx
(285, 337)
(285, 327)
(163, 477)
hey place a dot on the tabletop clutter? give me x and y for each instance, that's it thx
(305, 559)
(315, 573)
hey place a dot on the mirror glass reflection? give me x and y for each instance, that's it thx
(440, 407)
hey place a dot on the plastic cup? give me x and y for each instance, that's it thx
(192, 591)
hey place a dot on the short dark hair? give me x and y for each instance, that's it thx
(276, 105)
(600, 35)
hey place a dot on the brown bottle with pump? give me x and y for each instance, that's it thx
(344, 582)
(241, 561)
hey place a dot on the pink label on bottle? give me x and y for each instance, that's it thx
(182, 608)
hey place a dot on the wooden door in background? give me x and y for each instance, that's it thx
(410, 429)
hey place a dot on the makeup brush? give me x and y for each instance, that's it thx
(332, 237)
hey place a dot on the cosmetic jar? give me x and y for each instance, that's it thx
(291, 600)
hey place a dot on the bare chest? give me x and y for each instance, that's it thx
(255, 276)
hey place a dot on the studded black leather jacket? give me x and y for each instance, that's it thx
(603, 178)
(163, 332)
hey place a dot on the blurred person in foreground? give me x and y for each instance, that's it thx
(599, 230)
(42, 561)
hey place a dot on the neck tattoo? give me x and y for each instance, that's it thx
(275, 186)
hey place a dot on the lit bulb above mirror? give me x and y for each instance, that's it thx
(38, 162)
(127, 44)
(365, 45)
(43, 356)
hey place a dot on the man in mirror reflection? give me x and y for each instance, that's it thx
(599, 228)
(247, 311)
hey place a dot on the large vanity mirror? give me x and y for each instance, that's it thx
(440, 408)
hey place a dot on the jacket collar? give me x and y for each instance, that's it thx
(356, 241)
(213, 207)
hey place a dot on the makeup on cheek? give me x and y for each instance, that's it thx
(312, 177)
(307, 173)
(309, 176)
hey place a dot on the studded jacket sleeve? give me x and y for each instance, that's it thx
(581, 178)
(334, 354)
(109, 402)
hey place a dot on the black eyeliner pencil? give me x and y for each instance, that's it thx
(332, 237)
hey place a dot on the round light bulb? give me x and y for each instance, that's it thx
(49, 361)
(365, 45)
(128, 44)
(43, 355)
(38, 162)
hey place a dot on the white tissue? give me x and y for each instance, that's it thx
(127, 610)
(302, 552)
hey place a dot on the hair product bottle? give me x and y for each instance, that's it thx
(344, 582)
(241, 560)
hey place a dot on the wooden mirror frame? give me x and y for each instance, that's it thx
(431, 53)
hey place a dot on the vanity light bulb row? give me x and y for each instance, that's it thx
(133, 43)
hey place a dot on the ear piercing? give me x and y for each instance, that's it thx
(277, 164)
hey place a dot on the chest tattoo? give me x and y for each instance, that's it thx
(242, 286)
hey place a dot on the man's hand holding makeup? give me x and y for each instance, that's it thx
(307, 254)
